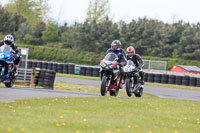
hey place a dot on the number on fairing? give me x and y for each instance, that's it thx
(128, 69)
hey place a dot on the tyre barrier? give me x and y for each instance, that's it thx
(49, 66)
(150, 77)
(44, 65)
(83, 70)
(145, 77)
(34, 64)
(193, 81)
(29, 64)
(46, 78)
(178, 80)
(54, 67)
(89, 71)
(71, 68)
(157, 78)
(94, 71)
(185, 80)
(164, 78)
(198, 82)
(39, 65)
(172, 79)
(60, 68)
(65, 68)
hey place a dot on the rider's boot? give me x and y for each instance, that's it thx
(15, 71)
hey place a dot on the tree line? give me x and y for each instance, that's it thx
(149, 37)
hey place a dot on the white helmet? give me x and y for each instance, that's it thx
(8, 39)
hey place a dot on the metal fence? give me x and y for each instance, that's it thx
(157, 65)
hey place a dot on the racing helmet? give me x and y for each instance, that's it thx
(8, 39)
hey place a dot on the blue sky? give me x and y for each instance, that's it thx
(166, 10)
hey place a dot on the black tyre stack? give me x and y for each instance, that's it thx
(95, 72)
(164, 78)
(41, 78)
(71, 68)
(150, 77)
(198, 82)
(29, 64)
(172, 79)
(178, 80)
(157, 78)
(60, 68)
(193, 81)
(146, 77)
(54, 67)
(50, 66)
(83, 70)
(65, 68)
(185, 80)
(44, 65)
(39, 64)
(89, 71)
(34, 64)
(46, 78)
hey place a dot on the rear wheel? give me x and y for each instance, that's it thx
(128, 87)
(139, 92)
(10, 84)
(114, 92)
(104, 85)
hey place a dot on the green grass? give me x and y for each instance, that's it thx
(100, 115)
(77, 76)
(60, 85)
(146, 83)
(148, 114)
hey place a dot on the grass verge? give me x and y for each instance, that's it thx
(148, 114)
(146, 83)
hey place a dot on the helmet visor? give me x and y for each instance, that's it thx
(8, 42)
(114, 47)
(131, 54)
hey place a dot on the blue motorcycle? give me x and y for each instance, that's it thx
(7, 66)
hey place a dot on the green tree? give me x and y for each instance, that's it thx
(33, 10)
(98, 10)
(51, 33)
(10, 22)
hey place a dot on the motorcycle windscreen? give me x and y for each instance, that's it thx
(111, 57)
(130, 63)
(5, 48)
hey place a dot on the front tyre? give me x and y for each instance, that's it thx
(128, 87)
(104, 85)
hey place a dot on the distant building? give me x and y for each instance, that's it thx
(186, 69)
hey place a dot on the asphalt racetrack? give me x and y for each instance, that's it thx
(12, 94)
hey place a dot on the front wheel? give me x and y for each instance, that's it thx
(128, 87)
(104, 85)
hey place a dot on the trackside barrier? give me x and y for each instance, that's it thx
(37, 77)
(67, 68)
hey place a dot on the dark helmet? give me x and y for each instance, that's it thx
(8, 39)
(115, 45)
(130, 51)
